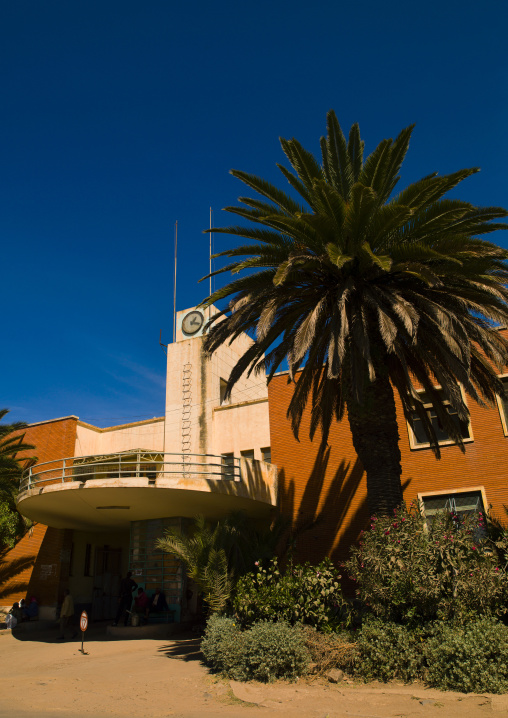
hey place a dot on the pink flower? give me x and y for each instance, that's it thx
(474, 548)
(387, 532)
(497, 568)
(395, 525)
(256, 563)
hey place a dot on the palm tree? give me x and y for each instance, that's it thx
(362, 290)
(12, 524)
(215, 556)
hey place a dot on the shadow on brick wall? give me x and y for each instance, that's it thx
(326, 520)
(8, 572)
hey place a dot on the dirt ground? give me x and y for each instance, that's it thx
(41, 677)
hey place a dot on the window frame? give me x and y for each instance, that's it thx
(222, 390)
(448, 492)
(264, 449)
(249, 454)
(500, 406)
(415, 446)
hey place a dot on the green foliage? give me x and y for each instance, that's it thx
(360, 289)
(388, 650)
(274, 650)
(12, 524)
(410, 570)
(215, 555)
(470, 658)
(223, 645)
(300, 594)
(264, 652)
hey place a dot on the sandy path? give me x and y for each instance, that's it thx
(148, 678)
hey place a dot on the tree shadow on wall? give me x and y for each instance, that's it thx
(8, 572)
(253, 484)
(319, 518)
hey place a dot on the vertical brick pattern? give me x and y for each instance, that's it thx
(39, 563)
(325, 492)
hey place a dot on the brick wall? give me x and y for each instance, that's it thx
(38, 564)
(325, 493)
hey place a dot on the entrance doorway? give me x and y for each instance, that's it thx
(106, 583)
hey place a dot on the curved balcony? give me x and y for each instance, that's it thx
(110, 491)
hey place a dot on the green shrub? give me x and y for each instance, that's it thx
(471, 658)
(265, 652)
(300, 594)
(410, 571)
(389, 650)
(274, 650)
(222, 645)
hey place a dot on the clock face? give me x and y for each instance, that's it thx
(192, 322)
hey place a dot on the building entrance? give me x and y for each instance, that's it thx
(106, 584)
(153, 568)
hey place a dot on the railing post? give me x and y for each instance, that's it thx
(30, 477)
(138, 462)
(63, 472)
(120, 466)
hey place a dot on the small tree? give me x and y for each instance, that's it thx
(215, 556)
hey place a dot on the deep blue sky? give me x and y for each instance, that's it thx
(119, 118)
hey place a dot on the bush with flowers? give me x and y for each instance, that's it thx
(299, 594)
(412, 570)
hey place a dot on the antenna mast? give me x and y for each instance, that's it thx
(210, 307)
(174, 285)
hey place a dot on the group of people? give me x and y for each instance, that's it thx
(22, 611)
(143, 605)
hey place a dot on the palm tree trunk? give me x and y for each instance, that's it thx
(376, 440)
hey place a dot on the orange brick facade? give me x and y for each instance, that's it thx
(325, 492)
(39, 564)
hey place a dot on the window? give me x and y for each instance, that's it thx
(464, 503)
(266, 453)
(228, 466)
(502, 402)
(223, 385)
(248, 454)
(418, 438)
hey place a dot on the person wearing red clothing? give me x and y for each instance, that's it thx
(141, 604)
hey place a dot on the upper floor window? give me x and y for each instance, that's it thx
(248, 454)
(266, 454)
(502, 402)
(418, 439)
(228, 466)
(223, 384)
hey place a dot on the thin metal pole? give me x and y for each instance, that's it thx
(210, 253)
(174, 285)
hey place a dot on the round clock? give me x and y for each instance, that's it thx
(192, 322)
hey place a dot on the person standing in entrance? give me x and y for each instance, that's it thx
(66, 612)
(127, 586)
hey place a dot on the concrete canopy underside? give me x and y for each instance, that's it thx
(98, 505)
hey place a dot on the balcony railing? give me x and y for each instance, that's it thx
(132, 465)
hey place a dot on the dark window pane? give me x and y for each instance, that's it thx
(420, 435)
